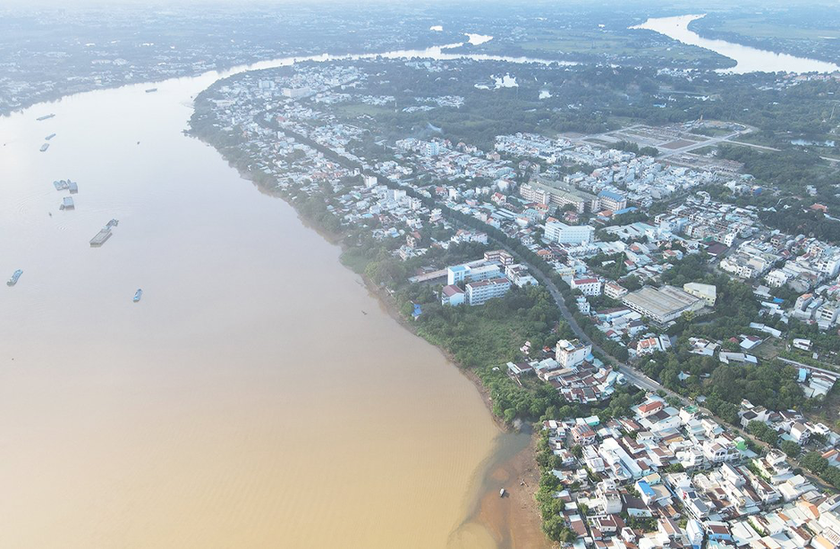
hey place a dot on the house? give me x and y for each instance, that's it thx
(800, 433)
(583, 434)
(452, 295)
(649, 408)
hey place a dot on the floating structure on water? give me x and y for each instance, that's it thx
(14, 278)
(68, 204)
(104, 234)
(65, 184)
(45, 117)
(44, 147)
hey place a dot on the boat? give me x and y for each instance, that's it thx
(137, 295)
(44, 147)
(45, 117)
(50, 136)
(73, 186)
(502, 493)
(67, 204)
(13, 280)
(151, 90)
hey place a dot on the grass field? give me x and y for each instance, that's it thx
(359, 109)
(759, 27)
(622, 44)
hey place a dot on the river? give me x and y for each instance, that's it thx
(257, 396)
(748, 59)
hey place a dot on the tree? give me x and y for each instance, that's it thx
(761, 431)
(555, 528)
(814, 462)
(791, 448)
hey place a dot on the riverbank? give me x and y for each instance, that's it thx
(513, 521)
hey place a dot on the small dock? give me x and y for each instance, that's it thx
(101, 237)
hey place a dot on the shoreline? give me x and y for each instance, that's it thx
(513, 521)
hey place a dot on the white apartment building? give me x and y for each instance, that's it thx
(519, 276)
(480, 292)
(472, 272)
(615, 290)
(589, 286)
(571, 353)
(568, 234)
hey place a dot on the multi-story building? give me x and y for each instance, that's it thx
(827, 313)
(589, 286)
(614, 290)
(583, 434)
(472, 272)
(480, 292)
(452, 295)
(612, 201)
(571, 353)
(561, 233)
(519, 276)
(501, 257)
(719, 450)
(556, 193)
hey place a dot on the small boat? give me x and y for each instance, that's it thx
(45, 117)
(151, 90)
(137, 295)
(13, 280)
(50, 136)
(44, 147)
(364, 313)
(502, 493)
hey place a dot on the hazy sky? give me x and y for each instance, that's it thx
(673, 4)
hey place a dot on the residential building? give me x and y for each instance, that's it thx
(589, 286)
(614, 290)
(561, 233)
(452, 295)
(570, 354)
(612, 200)
(558, 194)
(480, 292)
(583, 434)
(472, 272)
(519, 276)
(501, 257)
